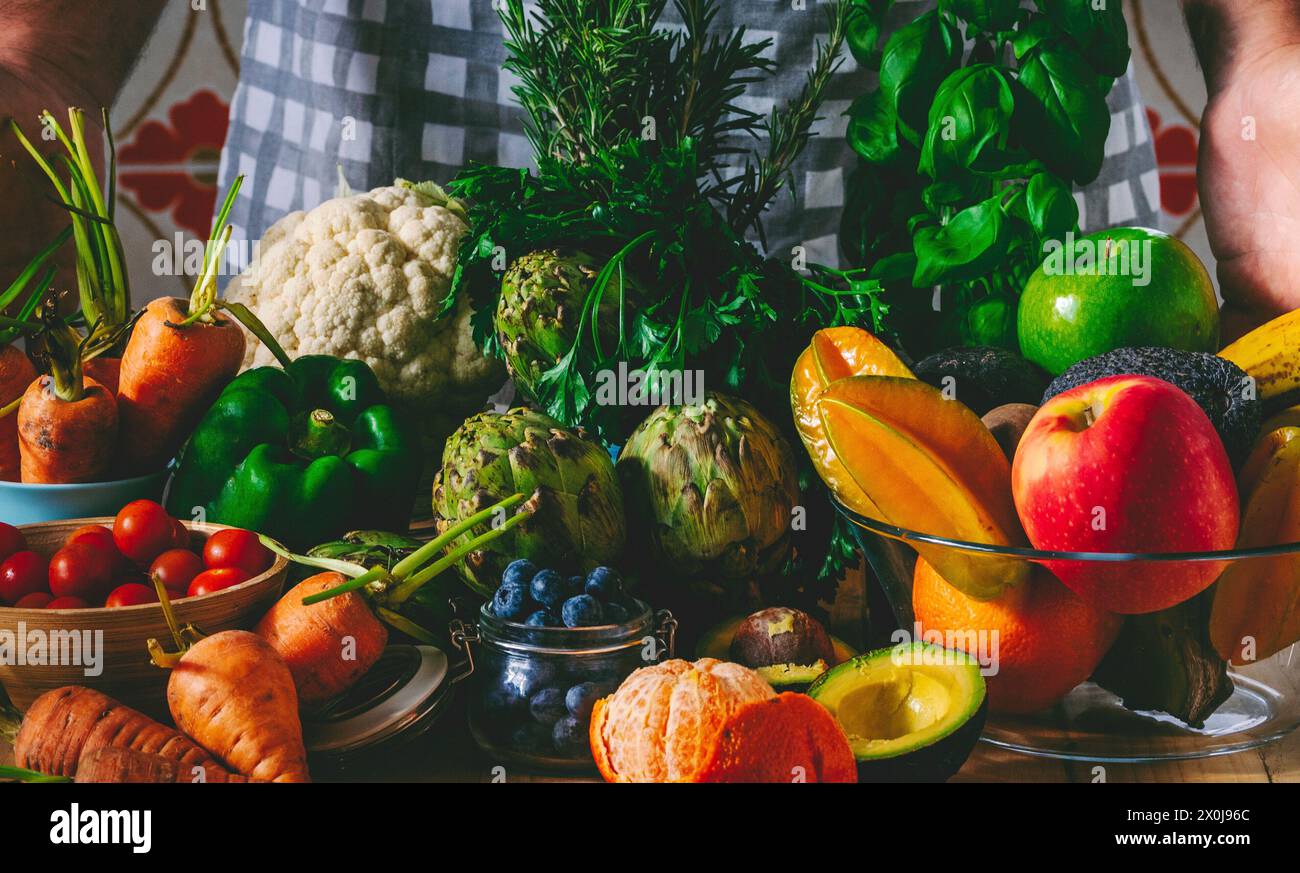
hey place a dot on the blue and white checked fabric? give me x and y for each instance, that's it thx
(415, 88)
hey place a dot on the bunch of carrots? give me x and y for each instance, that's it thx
(235, 696)
(93, 414)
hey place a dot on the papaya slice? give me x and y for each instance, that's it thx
(787, 738)
(1256, 610)
(930, 465)
(837, 353)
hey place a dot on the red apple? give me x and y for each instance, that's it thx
(1126, 464)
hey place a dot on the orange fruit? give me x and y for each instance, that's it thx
(664, 721)
(787, 738)
(1044, 639)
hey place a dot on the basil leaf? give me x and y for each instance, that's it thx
(1030, 34)
(1102, 34)
(873, 128)
(1051, 207)
(1063, 119)
(894, 268)
(973, 242)
(972, 111)
(916, 58)
(863, 30)
(991, 15)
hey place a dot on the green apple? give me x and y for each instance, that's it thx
(1127, 286)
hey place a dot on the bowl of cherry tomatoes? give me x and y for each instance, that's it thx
(79, 598)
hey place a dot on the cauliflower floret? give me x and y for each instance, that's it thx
(363, 277)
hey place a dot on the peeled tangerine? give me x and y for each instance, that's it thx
(928, 464)
(1255, 612)
(836, 353)
(1041, 636)
(713, 721)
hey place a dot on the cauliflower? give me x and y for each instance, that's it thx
(363, 276)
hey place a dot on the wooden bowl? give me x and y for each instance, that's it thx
(123, 669)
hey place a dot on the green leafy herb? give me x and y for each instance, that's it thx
(974, 155)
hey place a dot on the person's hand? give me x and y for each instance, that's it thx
(1249, 177)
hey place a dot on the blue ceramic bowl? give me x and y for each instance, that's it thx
(28, 504)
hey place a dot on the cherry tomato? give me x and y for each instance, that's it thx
(177, 569)
(67, 603)
(79, 570)
(237, 548)
(181, 537)
(35, 600)
(100, 537)
(143, 530)
(11, 540)
(210, 581)
(21, 574)
(130, 594)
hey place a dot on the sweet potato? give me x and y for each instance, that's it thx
(67, 724)
(234, 695)
(327, 646)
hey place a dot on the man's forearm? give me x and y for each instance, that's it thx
(1230, 33)
(55, 54)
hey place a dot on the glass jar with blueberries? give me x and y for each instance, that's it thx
(544, 650)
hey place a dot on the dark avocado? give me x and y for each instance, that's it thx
(1164, 662)
(983, 377)
(718, 641)
(1218, 386)
(912, 713)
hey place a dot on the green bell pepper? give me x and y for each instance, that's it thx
(301, 454)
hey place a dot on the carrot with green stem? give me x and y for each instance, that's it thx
(180, 355)
(67, 422)
(235, 697)
(329, 629)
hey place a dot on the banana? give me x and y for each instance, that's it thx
(1270, 354)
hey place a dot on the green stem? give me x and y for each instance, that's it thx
(374, 574)
(407, 587)
(347, 568)
(33, 776)
(406, 626)
(416, 559)
(320, 435)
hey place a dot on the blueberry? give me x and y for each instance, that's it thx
(550, 589)
(570, 734)
(510, 602)
(616, 614)
(531, 737)
(604, 584)
(504, 703)
(582, 610)
(547, 706)
(519, 572)
(541, 618)
(527, 677)
(582, 697)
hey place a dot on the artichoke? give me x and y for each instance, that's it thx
(542, 298)
(572, 490)
(712, 486)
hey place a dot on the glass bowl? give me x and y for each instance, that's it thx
(1091, 723)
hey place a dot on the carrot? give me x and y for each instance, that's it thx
(65, 725)
(234, 695)
(327, 646)
(16, 373)
(61, 441)
(169, 377)
(105, 371)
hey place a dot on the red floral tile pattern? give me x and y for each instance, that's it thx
(172, 167)
(1176, 157)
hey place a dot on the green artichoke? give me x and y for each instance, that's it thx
(570, 483)
(712, 487)
(542, 298)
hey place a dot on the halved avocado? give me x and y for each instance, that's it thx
(913, 713)
(716, 643)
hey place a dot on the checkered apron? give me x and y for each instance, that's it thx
(415, 88)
